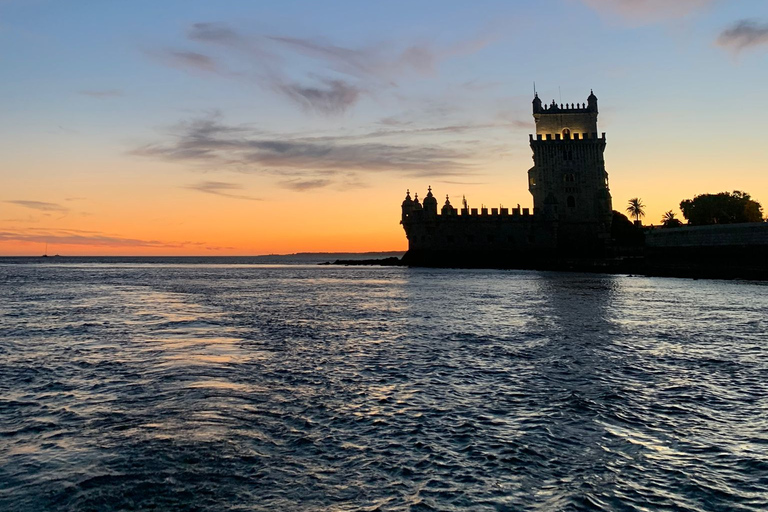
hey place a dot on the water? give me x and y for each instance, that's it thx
(218, 387)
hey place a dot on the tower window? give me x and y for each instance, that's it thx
(571, 202)
(569, 177)
(566, 133)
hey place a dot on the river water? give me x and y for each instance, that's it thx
(229, 387)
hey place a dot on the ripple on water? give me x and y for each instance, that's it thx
(226, 387)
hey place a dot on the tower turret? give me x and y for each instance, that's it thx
(430, 203)
(447, 208)
(536, 104)
(592, 102)
(407, 205)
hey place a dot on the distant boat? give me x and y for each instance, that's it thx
(46, 253)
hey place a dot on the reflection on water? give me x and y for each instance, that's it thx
(232, 387)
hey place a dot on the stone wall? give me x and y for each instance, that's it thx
(748, 234)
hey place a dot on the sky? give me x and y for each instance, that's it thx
(186, 127)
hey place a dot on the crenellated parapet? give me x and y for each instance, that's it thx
(590, 107)
(568, 137)
(565, 108)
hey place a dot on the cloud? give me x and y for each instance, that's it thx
(644, 11)
(376, 61)
(221, 188)
(214, 33)
(104, 93)
(311, 83)
(209, 143)
(78, 237)
(302, 185)
(382, 61)
(744, 34)
(334, 97)
(39, 205)
(451, 182)
(188, 60)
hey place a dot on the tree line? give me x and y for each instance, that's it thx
(704, 209)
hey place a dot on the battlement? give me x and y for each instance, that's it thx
(573, 108)
(590, 107)
(413, 213)
(567, 138)
(491, 212)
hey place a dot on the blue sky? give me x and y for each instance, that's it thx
(282, 110)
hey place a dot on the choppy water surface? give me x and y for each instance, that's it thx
(235, 387)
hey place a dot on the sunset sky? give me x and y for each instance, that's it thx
(185, 127)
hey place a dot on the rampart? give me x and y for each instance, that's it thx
(572, 137)
(722, 251)
(718, 235)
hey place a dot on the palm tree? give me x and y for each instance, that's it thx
(635, 208)
(669, 220)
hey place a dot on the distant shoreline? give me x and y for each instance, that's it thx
(293, 257)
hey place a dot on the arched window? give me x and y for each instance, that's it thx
(566, 133)
(571, 202)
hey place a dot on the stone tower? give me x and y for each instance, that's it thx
(568, 179)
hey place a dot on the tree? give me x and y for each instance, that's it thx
(624, 233)
(635, 208)
(722, 208)
(669, 220)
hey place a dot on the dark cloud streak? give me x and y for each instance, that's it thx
(188, 60)
(214, 33)
(335, 97)
(209, 143)
(220, 188)
(744, 34)
(39, 205)
(303, 185)
(74, 237)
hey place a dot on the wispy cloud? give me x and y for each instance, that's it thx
(451, 182)
(744, 34)
(220, 188)
(331, 97)
(184, 59)
(80, 237)
(214, 33)
(316, 86)
(302, 185)
(39, 205)
(101, 93)
(644, 11)
(214, 145)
